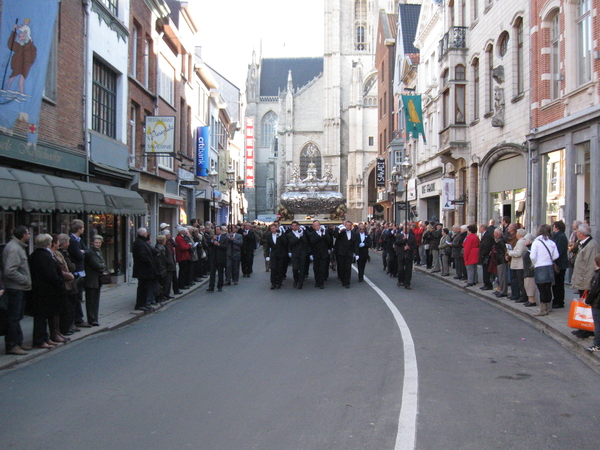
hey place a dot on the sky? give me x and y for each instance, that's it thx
(231, 29)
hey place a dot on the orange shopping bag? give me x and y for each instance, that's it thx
(580, 316)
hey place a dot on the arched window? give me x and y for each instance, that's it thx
(360, 23)
(310, 154)
(503, 42)
(520, 56)
(268, 129)
(555, 57)
(460, 90)
(490, 78)
(476, 89)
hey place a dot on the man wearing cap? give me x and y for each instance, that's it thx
(164, 226)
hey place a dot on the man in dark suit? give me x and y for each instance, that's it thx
(364, 243)
(77, 251)
(320, 242)
(346, 243)
(144, 269)
(297, 251)
(218, 258)
(276, 250)
(406, 247)
(248, 248)
(485, 248)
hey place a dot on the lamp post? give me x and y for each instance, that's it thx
(240, 188)
(230, 183)
(394, 182)
(406, 171)
(213, 175)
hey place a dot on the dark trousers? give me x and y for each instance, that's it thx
(545, 292)
(92, 304)
(392, 263)
(191, 276)
(384, 258)
(461, 270)
(232, 272)
(514, 284)
(66, 319)
(321, 269)
(558, 290)
(184, 273)
(143, 288)
(405, 269)
(299, 268)
(78, 312)
(153, 288)
(487, 281)
(214, 269)
(14, 314)
(519, 274)
(40, 330)
(361, 263)
(276, 269)
(166, 283)
(344, 267)
(247, 262)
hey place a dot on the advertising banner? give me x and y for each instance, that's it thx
(202, 149)
(26, 37)
(380, 172)
(448, 194)
(160, 134)
(249, 152)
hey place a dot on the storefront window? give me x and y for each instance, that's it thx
(7, 225)
(41, 223)
(109, 227)
(65, 222)
(555, 185)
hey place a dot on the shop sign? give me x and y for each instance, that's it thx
(250, 152)
(448, 194)
(380, 172)
(412, 189)
(160, 134)
(202, 149)
(15, 148)
(151, 184)
(428, 189)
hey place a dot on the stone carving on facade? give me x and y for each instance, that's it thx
(498, 117)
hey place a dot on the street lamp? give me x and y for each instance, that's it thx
(213, 176)
(406, 171)
(230, 183)
(394, 182)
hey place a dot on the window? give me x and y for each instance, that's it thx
(268, 129)
(360, 22)
(134, 52)
(310, 155)
(166, 83)
(7, 225)
(133, 114)
(104, 100)
(476, 89)
(147, 50)
(459, 113)
(555, 57)
(555, 187)
(112, 5)
(459, 72)
(520, 57)
(50, 84)
(503, 44)
(475, 10)
(445, 100)
(371, 141)
(584, 42)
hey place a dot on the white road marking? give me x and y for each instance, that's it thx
(407, 422)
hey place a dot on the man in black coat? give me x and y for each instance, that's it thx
(320, 242)
(485, 248)
(77, 250)
(297, 251)
(217, 259)
(406, 247)
(362, 250)
(562, 244)
(144, 269)
(346, 243)
(276, 250)
(248, 248)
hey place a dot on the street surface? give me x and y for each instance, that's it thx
(253, 368)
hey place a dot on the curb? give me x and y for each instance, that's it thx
(561, 334)
(120, 322)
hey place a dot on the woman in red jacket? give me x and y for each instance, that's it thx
(471, 246)
(182, 256)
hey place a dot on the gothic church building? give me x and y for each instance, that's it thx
(319, 109)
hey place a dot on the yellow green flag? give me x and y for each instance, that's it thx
(414, 116)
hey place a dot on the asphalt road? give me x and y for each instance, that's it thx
(251, 368)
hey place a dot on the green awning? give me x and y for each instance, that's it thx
(66, 195)
(36, 193)
(10, 194)
(123, 201)
(93, 198)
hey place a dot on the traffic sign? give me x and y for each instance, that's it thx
(189, 182)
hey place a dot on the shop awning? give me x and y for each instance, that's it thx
(93, 198)
(123, 201)
(66, 195)
(36, 193)
(10, 194)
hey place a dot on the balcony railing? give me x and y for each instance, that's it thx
(456, 38)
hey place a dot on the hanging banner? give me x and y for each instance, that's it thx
(160, 134)
(448, 194)
(380, 172)
(414, 116)
(202, 157)
(249, 152)
(26, 37)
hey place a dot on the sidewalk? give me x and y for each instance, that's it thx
(554, 324)
(116, 310)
